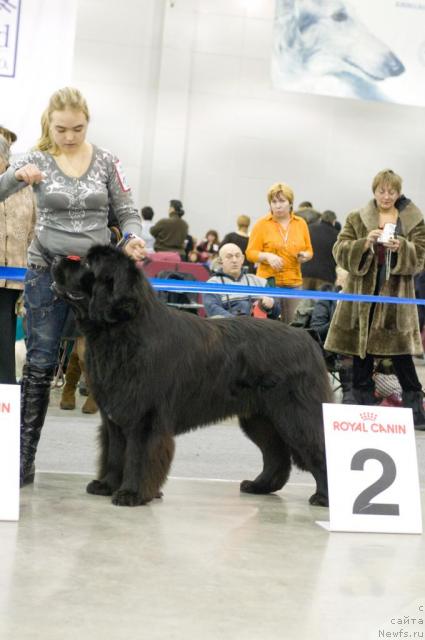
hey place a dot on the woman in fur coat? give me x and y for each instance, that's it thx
(17, 219)
(381, 266)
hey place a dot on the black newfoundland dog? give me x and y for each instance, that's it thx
(156, 372)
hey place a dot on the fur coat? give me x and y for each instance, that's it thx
(17, 219)
(393, 329)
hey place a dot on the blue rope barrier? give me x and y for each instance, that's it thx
(195, 286)
(275, 292)
(12, 273)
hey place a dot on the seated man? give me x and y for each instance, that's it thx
(236, 304)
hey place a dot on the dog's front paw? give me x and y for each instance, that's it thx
(127, 498)
(250, 486)
(319, 500)
(99, 488)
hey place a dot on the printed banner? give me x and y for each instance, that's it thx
(362, 49)
(9, 31)
(36, 56)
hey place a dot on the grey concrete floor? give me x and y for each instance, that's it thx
(204, 562)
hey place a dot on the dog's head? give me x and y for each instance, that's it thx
(103, 288)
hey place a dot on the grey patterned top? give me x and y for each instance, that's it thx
(73, 212)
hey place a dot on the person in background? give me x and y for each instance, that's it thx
(74, 181)
(190, 253)
(17, 220)
(75, 373)
(280, 243)
(171, 233)
(147, 217)
(114, 226)
(321, 316)
(381, 260)
(308, 212)
(320, 270)
(236, 304)
(207, 249)
(8, 135)
(240, 238)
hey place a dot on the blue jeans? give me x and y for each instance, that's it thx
(46, 316)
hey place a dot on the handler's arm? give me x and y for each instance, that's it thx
(411, 252)
(255, 243)
(9, 183)
(214, 306)
(121, 198)
(349, 249)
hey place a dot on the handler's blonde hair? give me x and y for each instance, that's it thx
(66, 98)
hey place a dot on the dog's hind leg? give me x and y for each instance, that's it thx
(302, 428)
(320, 497)
(147, 461)
(276, 455)
(111, 460)
(317, 467)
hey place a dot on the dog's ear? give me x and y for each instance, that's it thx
(113, 298)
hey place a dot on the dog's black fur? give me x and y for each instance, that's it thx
(156, 372)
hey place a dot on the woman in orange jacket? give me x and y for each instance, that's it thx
(279, 243)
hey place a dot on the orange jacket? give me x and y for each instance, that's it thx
(268, 235)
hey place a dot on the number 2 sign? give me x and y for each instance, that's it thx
(372, 469)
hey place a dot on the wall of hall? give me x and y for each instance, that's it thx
(182, 92)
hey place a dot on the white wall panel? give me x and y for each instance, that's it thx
(183, 94)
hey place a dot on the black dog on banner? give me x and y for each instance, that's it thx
(156, 372)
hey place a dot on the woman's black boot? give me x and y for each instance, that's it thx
(346, 379)
(414, 400)
(35, 394)
(365, 396)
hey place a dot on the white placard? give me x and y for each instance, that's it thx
(372, 469)
(9, 451)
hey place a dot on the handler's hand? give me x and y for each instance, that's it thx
(304, 256)
(135, 248)
(30, 174)
(393, 245)
(274, 261)
(372, 237)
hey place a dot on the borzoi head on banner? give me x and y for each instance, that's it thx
(323, 47)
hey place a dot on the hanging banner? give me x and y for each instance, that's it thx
(362, 49)
(36, 57)
(9, 32)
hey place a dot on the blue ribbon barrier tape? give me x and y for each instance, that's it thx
(274, 292)
(195, 286)
(12, 273)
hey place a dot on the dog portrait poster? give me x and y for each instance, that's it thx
(362, 49)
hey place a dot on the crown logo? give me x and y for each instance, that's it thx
(368, 415)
